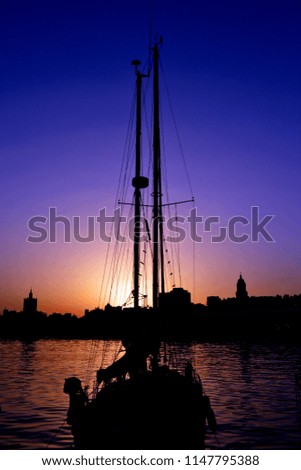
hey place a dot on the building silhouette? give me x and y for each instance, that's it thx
(30, 304)
(241, 292)
(275, 317)
(176, 299)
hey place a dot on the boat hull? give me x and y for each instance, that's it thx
(162, 410)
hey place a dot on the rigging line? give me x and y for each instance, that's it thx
(125, 276)
(90, 362)
(148, 250)
(127, 147)
(145, 242)
(115, 270)
(109, 274)
(178, 252)
(170, 267)
(168, 205)
(118, 350)
(92, 358)
(117, 260)
(120, 190)
(104, 352)
(194, 267)
(92, 365)
(146, 217)
(147, 125)
(125, 285)
(145, 279)
(93, 361)
(123, 193)
(123, 257)
(143, 272)
(102, 357)
(59, 430)
(177, 131)
(193, 271)
(128, 172)
(103, 274)
(164, 173)
(124, 160)
(172, 256)
(165, 178)
(124, 261)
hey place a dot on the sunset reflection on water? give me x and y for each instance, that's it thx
(251, 388)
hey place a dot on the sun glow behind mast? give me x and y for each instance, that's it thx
(143, 235)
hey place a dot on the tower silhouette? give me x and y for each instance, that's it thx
(30, 304)
(241, 292)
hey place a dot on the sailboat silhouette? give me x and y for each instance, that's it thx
(141, 402)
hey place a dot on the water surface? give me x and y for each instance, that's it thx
(251, 387)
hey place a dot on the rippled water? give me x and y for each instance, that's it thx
(251, 388)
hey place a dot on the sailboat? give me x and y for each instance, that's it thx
(141, 402)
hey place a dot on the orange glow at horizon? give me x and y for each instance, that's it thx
(68, 278)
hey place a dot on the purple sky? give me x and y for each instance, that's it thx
(233, 71)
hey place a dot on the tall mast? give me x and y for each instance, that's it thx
(138, 183)
(161, 237)
(156, 179)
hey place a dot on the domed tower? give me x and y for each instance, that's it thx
(241, 292)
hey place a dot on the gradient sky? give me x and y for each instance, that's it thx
(233, 70)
